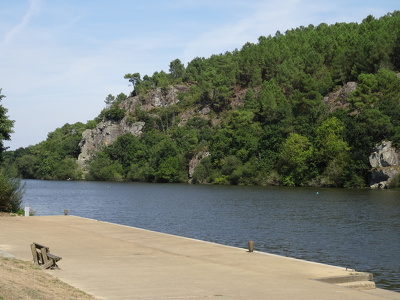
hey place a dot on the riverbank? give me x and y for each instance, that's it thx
(112, 261)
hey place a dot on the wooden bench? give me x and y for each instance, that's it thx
(42, 256)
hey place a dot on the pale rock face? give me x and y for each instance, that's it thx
(384, 155)
(196, 159)
(107, 132)
(338, 99)
(385, 163)
(156, 98)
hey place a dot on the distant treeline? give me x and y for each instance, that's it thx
(268, 122)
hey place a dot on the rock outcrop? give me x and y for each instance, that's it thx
(385, 161)
(338, 98)
(196, 159)
(106, 132)
(156, 98)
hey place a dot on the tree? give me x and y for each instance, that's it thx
(161, 79)
(242, 106)
(332, 152)
(6, 126)
(272, 103)
(195, 69)
(120, 97)
(176, 69)
(67, 169)
(11, 189)
(170, 170)
(109, 101)
(102, 168)
(329, 140)
(295, 160)
(115, 113)
(133, 78)
(202, 172)
(142, 172)
(367, 93)
(27, 166)
(127, 149)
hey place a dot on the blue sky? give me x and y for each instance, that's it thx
(60, 59)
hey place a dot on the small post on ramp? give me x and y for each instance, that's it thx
(250, 245)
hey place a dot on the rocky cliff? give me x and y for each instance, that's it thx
(158, 97)
(385, 161)
(106, 132)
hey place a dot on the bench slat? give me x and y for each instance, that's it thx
(54, 257)
(42, 256)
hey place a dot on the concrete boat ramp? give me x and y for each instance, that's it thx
(112, 261)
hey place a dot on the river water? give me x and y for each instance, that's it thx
(354, 228)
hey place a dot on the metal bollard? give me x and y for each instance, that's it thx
(250, 245)
(65, 212)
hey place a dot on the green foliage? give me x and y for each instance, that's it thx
(126, 150)
(67, 169)
(366, 94)
(114, 113)
(6, 126)
(161, 79)
(239, 136)
(203, 171)
(272, 105)
(395, 182)
(103, 168)
(295, 160)
(177, 70)
(28, 166)
(154, 158)
(54, 158)
(169, 170)
(112, 100)
(109, 100)
(141, 172)
(134, 79)
(329, 140)
(11, 188)
(332, 153)
(259, 112)
(11, 191)
(158, 80)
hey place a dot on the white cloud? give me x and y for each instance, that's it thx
(33, 9)
(60, 59)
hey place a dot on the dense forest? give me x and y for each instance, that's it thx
(268, 121)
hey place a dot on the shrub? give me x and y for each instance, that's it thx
(395, 182)
(11, 192)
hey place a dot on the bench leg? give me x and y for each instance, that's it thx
(34, 254)
(47, 264)
(51, 263)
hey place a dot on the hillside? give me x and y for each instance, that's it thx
(304, 107)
